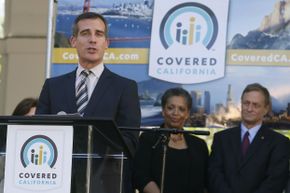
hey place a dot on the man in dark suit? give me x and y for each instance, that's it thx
(105, 94)
(256, 162)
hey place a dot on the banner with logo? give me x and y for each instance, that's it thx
(188, 41)
(38, 159)
(193, 45)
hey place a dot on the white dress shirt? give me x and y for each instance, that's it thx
(252, 132)
(92, 78)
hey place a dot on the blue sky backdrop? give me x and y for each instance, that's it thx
(247, 15)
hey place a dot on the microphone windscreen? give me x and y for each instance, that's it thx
(61, 113)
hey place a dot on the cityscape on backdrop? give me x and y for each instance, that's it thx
(130, 27)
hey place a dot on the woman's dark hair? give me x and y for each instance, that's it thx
(178, 91)
(24, 106)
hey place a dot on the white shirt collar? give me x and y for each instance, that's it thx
(96, 71)
(252, 131)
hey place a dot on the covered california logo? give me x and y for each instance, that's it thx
(188, 41)
(38, 150)
(40, 158)
(188, 24)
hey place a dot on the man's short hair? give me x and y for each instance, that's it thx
(88, 15)
(258, 87)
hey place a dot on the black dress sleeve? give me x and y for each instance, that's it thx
(142, 162)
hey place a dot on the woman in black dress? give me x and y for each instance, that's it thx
(187, 155)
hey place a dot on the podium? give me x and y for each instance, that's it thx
(98, 155)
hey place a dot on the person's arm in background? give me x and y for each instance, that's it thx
(129, 114)
(43, 106)
(206, 157)
(142, 178)
(151, 187)
(278, 167)
(216, 178)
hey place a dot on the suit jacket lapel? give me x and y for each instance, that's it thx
(99, 91)
(190, 153)
(70, 92)
(236, 144)
(255, 145)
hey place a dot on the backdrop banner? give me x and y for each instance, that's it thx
(188, 43)
(203, 46)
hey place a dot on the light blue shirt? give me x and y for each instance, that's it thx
(252, 131)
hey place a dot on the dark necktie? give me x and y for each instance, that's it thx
(245, 143)
(82, 95)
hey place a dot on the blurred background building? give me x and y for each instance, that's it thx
(23, 31)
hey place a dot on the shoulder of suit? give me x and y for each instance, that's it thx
(194, 139)
(228, 131)
(60, 77)
(273, 133)
(196, 144)
(117, 76)
(149, 137)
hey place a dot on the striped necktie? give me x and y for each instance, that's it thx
(82, 92)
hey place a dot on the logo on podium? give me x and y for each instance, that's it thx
(39, 150)
(39, 158)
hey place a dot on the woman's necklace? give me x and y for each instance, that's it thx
(177, 141)
(175, 138)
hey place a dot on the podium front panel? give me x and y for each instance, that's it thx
(97, 161)
(97, 167)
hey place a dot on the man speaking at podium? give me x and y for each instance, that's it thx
(92, 90)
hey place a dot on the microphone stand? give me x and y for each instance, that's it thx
(164, 140)
(162, 130)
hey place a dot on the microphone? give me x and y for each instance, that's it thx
(163, 138)
(63, 113)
